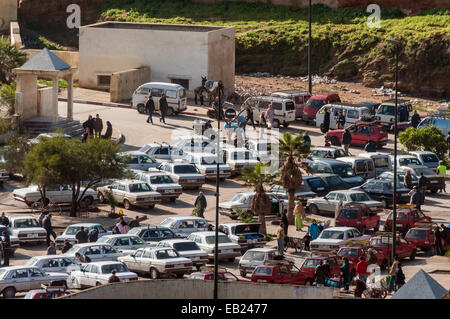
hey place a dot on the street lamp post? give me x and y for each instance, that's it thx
(309, 50)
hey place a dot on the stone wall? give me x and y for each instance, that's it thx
(8, 13)
(124, 83)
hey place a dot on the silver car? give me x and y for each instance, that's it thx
(54, 263)
(206, 241)
(95, 251)
(162, 183)
(185, 225)
(187, 248)
(185, 174)
(140, 160)
(123, 242)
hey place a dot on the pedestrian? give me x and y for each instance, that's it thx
(341, 120)
(399, 276)
(201, 200)
(299, 215)
(115, 230)
(108, 132)
(448, 143)
(249, 111)
(415, 119)
(6, 248)
(319, 275)
(66, 247)
(361, 269)
(47, 225)
(422, 187)
(327, 269)
(82, 258)
(326, 122)
(85, 136)
(393, 279)
(313, 230)
(307, 139)
(270, 114)
(163, 108)
(339, 206)
(51, 250)
(345, 269)
(41, 217)
(81, 236)
(442, 169)
(415, 197)
(307, 240)
(122, 225)
(113, 278)
(370, 146)
(404, 115)
(4, 220)
(89, 124)
(346, 140)
(93, 235)
(372, 257)
(407, 180)
(438, 241)
(280, 238)
(98, 126)
(134, 223)
(285, 222)
(150, 108)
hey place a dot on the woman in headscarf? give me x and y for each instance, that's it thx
(299, 214)
(270, 114)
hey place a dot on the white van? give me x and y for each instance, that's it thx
(385, 112)
(352, 113)
(441, 123)
(284, 109)
(382, 162)
(175, 94)
(362, 166)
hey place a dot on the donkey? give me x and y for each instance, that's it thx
(198, 91)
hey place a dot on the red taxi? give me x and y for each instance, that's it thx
(47, 292)
(278, 272)
(383, 244)
(314, 104)
(361, 132)
(309, 266)
(422, 236)
(407, 216)
(207, 273)
(353, 251)
(359, 216)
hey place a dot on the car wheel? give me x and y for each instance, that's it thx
(314, 209)
(98, 284)
(154, 273)
(231, 260)
(126, 204)
(285, 124)
(335, 141)
(9, 292)
(141, 108)
(76, 284)
(101, 198)
(243, 273)
(309, 282)
(173, 199)
(180, 276)
(413, 255)
(434, 191)
(169, 111)
(88, 201)
(276, 124)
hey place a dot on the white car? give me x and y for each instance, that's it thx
(255, 257)
(70, 232)
(23, 278)
(27, 229)
(245, 234)
(130, 193)
(59, 194)
(262, 149)
(187, 248)
(243, 202)
(140, 160)
(329, 202)
(334, 238)
(98, 273)
(43, 136)
(95, 251)
(206, 241)
(238, 158)
(158, 261)
(54, 263)
(185, 174)
(428, 159)
(207, 165)
(123, 242)
(162, 183)
(185, 225)
(194, 144)
(405, 160)
(161, 152)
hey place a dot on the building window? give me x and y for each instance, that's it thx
(183, 82)
(104, 80)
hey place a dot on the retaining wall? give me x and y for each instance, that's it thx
(124, 83)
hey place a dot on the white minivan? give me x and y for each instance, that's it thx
(284, 109)
(175, 94)
(382, 161)
(352, 113)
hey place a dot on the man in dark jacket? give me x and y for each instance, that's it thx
(249, 111)
(370, 146)
(415, 119)
(326, 122)
(81, 236)
(341, 120)
(446, 235)
(422, 183)
(4, 220)
(113, 277)
(407, 180)
(163, 108)
(98, 126)
(150, 108)
(66, 246)
(41, 217)
(6, 248)
(320, 275)
(93, 235)
(346, 139)
(89, 124)
(201, 199)
(47, 225)
(108, 132)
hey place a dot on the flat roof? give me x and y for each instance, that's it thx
(155, 26)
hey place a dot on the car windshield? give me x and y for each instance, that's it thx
(222, 240)
(3, 272)
(139, 188)
(185, 246)
(263, 271)
(242, 156)
(185, 169)
(311, 263)
(417, 233)
(319, 153)
(72, 230)
(360, 197)
(314, 104)
(161, 179)
(334, 181)
(348, 252)
(166, 254)
(349, 214)
(238, 198)
(107, 269)
(400, 216)
(254, 255)
(409, 161)
(332, 234)
(25, 223)
(316, 182)
(430, 158)
(424, 170)
(343, 171)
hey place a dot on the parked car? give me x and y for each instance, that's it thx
(344, 170)
(433, 181)
(130, 193)
(352, 113)
(298, 97)
(187, 248)
(70, 231)
(238, 158)
(405, 160)
(381, 161)
(428, 159)
(175, 95)
(309, 266)
(27, 229)
(158, 261)
(152, 233)
(140, 160)
(442, 123)
(242, 202)
(185, 225)
(278, 272)
(255, 257)
(302, 194)
(15, 279)
(123, 242)
(262, 149)
(284, 109)
(334, 182)
(185, 174)
(161, 152)
(383, 190)
(385, 114)
(400, 177)
(383, 244)
(245, 234)
(49, 292)
(358, 216)
(44, 136)
(361, 133)
(317, 184)
(315, 102)
(207, 165)
(362, 166)
(58, 194)
(193, 144)
(207, 273)
(331, 152)
(330, 201)
(206, 241)
(372, 106)
(98, 273)
(162, 183)
(334, 238)
(422, 236)
(53, 263)
(95, 251)
(407, 217)
(353, 253)
(14, 240)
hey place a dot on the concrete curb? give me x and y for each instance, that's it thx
(126, 106)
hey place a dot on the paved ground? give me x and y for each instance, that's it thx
(137, 133)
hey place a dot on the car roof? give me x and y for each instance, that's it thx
(343, 228)
(129, 181)
(85, 224)
(323, 95)
(49, 257)
(208, 233)
(231, 224)
(327, 148)
(21, 217)
(18, 267)
(90, 244)
(149, 227)
(330, 161)
(347, 191)
(185, 217)
(263, 249)
(176, 240)
(119, 235)
(134, 153)
(172, 85)
(101, 263)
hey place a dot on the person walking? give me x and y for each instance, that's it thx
(150, 108)
(270, 114)
(415, 119)
(438, 241)
(6, 248)
(422, 187)
(442, 169)
(51, 250)
(201, 200)
(361, 269)
(299, 215)
(345, 269)
(108, 132)
(320, 275)
(122, 225)
(399, 276)
(346, 140)
(313, 230)
(66, 247)
(285, 222)
(407, 180)
(89, 124)
(415, 197)
(4, 220)
(393, 279)
(307, 240)
(98, 126)
(47, 225)
(134, 223)
(307, 138)
(325, 127)
(250, 119)
(280, 238)
(41, 217)
(341, 120)
(93, 235)
(163, 108)
(113, 278)
(81, 236)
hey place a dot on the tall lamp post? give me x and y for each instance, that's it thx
(394, 200)
(309, 50)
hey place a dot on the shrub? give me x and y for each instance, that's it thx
(425, 139)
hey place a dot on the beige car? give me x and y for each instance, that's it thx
(130, 193)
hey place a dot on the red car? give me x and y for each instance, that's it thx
(47, 293)
(361, 132)
(314, 104)
(279, 273)
(353, 253)
(422, 236)
(407, 216)
(207, 273)
(383, 244)
(309, 266)
(358, 216)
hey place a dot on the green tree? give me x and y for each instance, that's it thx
(10, 57)
(257, 177)
(425, 139)
(292, 150)
(8, 97)
(14, 153)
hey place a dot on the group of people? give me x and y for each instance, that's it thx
(93, 127)
(150, 108)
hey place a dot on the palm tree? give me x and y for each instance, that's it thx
(292, 150)
(256, 177)
(10, 57)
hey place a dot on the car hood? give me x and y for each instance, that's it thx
(26, 190)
